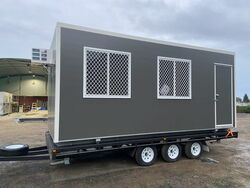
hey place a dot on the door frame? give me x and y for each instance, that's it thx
(230, 125)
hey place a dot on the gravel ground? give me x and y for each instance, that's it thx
(119, 170)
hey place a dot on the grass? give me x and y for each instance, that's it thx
(243, 109)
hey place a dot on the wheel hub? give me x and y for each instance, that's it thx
(195, 149)
(173, 151)
(147, 154)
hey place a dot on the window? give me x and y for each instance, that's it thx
(173, 78)
(107, 73)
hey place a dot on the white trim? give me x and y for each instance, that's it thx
(107, 50)
(57, 84)
(215, 104)
(85, 95)
(174, 78)
(81, 28)
(106, 96)
(190, 79)
(235, 109)
(129, 74)
(84, 73)
(232, 97)
(139, 134)
(224, 125)
(108, 60)
(172, 58)
(222, 64)
(173, 97)
(158, 79)
(174, 84)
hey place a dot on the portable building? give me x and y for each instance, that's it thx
(106, 85)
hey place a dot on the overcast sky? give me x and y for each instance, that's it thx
(223, 24)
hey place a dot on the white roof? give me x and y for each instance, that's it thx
(82, 28)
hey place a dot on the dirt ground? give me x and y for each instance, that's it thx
(119, 170)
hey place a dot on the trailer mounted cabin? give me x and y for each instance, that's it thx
(109, 89)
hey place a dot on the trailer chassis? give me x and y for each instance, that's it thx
(63, 152)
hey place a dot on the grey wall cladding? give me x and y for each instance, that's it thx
(142, 113)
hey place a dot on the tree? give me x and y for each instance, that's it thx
(245, 98)
(238, 99)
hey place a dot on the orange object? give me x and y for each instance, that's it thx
(229, 133)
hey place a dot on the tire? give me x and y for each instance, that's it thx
(171, 152)
(193, 150)
(146, 156)
(14, 150)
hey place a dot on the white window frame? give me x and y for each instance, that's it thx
(85, 95)
(174, 84)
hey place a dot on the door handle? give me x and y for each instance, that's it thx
(216, 97)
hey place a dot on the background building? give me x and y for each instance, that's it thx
(25, 80)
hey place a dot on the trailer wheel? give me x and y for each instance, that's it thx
(193, 150)
(171, 152)
(146, 156)
(14, 150)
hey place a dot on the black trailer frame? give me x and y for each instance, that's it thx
(56, 152)
(62, 153)
(76, 149)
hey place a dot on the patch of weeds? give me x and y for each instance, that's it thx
(225, 182)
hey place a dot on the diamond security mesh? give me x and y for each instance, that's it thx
(166, 77)
(96, 69)
(182, 78)
(174, 78)
(107, 73)
(118, 74)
